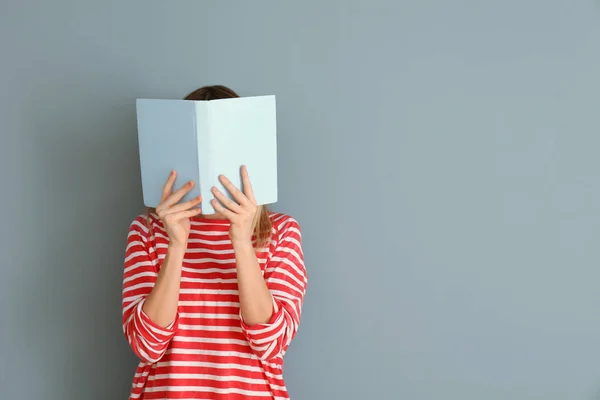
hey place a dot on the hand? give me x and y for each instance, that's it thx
(174, 215)
(241, 213)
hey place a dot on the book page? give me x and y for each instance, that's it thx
(167, 140)
(243, 132)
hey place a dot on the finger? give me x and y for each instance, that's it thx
(230, 215)
(176, 196)
(168, 187)
(182, 207)
(235, 192)
(184, 215)
(230, 204)
(248, 190)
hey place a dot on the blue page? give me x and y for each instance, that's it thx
(167, 135)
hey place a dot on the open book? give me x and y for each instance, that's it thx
(204, 139)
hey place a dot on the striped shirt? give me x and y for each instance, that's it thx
(208, 352)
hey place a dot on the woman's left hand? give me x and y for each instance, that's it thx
(241, 212)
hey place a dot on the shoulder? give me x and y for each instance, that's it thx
(288, 242)
(140, 226)
(285, 227)
(284, 223)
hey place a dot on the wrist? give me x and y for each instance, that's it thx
(242, 245)
(176, 249)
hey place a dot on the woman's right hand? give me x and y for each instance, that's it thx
(174, 215)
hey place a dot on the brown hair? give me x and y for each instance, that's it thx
(262, 223)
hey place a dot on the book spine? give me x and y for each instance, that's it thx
(209, 161)
(204, 149)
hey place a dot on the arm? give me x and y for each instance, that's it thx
(270, 305)
(149, 297)
(270, 310)
(256, 301)
(161, 304)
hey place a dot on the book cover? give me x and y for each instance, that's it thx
(204, 139)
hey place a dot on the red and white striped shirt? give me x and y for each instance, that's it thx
(208, 352)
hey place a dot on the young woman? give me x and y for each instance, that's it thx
(212, 302)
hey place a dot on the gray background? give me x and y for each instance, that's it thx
(440, 156)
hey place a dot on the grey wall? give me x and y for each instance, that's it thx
(441, 158)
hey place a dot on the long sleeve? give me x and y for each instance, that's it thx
(148, 340)
(286, 279)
